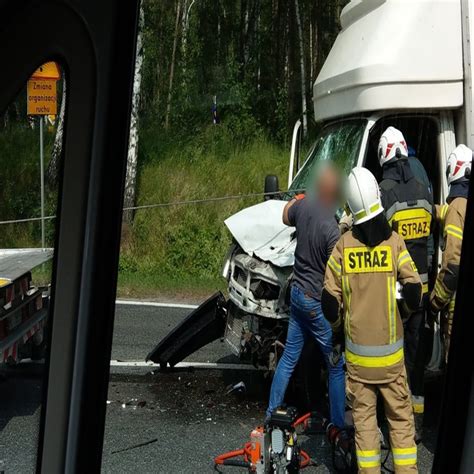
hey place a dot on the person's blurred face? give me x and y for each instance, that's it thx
(328, 186)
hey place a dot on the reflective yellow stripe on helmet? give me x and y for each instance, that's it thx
(363, 213)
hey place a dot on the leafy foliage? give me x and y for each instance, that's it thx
(20, 184)
(243, 56)
(242, 52)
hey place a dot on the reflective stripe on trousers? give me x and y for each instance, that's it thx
(369, 458)
(398, 410)
(404, 456)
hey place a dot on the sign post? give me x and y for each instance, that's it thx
(41, 120)
(42, 100)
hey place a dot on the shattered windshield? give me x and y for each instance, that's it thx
(339, 142)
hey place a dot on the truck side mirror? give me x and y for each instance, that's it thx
(271, 187)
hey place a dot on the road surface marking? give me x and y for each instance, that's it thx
(157, 304)
(185, 365)
(179, 365)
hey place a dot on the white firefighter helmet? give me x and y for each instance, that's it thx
(391, 144)
(459, 164)
(363, 195)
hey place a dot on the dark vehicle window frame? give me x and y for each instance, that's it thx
(95, 44)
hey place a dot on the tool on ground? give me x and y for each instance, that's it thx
(343, 448)
(341, 440)
(272, 448)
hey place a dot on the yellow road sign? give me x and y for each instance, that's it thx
(47, 71)
(42, 98)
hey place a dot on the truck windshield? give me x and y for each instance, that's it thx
(339, 142)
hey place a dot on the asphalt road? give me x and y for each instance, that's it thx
(139, 328)
(163, 422)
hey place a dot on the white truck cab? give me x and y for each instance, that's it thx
(405, 63)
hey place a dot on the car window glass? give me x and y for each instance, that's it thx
(31, 137)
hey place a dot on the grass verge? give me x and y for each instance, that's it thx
(181, 248)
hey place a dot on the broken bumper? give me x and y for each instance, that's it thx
(204, 325)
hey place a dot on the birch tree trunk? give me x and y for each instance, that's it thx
(311, 70)
(315, 54)
(257, 43)
(286, 67)
(159, 68)
(173, 59)
(132, 156)
(185, 26)
(302, 68)
(184, 37)
(56, 153)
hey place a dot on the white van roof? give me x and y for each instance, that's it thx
(393, 54)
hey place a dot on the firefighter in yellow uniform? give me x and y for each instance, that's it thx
(452, 217)
(360, 282)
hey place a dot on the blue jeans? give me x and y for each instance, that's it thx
(307, 319)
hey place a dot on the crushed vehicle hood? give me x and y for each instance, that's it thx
(260, 232)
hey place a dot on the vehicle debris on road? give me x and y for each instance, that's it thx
(239, 387)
